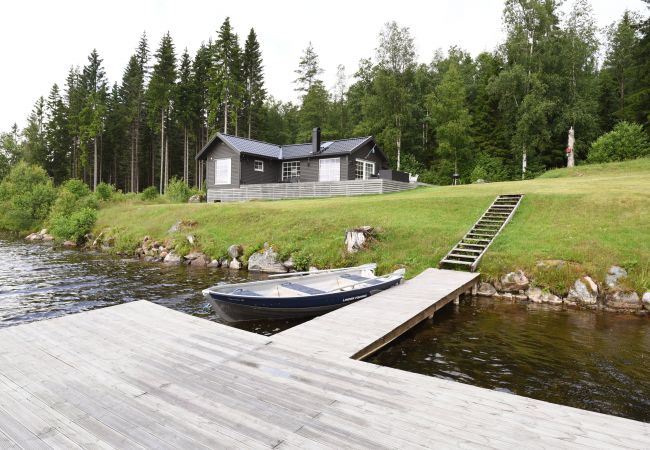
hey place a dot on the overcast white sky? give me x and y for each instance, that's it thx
(40, 40)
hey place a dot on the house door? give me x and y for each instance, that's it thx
(222, 171)
(329, 169)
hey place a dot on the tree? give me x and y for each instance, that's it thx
(451, 120)
(253, 79)
(226, 77)
(57, 137)
(74, 99)
(11, 150)
(308, 70)
(93, 113)
(396, 51)
(314, 111)
(340, 121)
(35, 147)
(185, 108)
(160, 94)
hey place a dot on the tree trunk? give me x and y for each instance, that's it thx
(524, 163)
(95, 165)
(166, 162)
(162, 148)
(399, 150)
(225, 116)
(250, 115)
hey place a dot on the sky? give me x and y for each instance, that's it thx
(41, 40)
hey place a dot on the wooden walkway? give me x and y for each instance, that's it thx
(140, 375)
(363, 327)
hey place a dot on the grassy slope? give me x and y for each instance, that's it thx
(594, 215)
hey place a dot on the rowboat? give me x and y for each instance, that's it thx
(304, 294)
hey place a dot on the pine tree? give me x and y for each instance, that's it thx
(226, 86)
(160, 95)
(57, 137)
(35, 147)
(308, 70)
(93, 112)
(74, 104)
(185, 106)
(253, 80)
(202, 70)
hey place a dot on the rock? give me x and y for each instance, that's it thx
(224, 262)
(196, 198)
(504, 296)
(69, 244)
(514, 282)
(628, 301)
(214, 263)
(614, 274)
(170, 258)
(192, 255)
(153, 259)
(200, 261)
(356, 238)
(48, 237)
(191, 239)
(487, 290)
(520, 297)
(536, 295)
(584, 292)
(236, 250)
(235, 265)
(266, 261)
(34, 237)
(289, 264)
(163, 254)
(176, 227)
(645, 300)
(313, 269)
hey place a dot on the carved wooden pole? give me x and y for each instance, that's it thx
(569, 149)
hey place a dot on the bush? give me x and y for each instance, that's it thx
(104, 191)
(490, 169)
(76, 187)
(26, 195)
(625, 141)
(178, 192)
(150, 193)
(74, 226)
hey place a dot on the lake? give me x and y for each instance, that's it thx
(595, 361)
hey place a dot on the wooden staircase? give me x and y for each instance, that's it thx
(471, 248)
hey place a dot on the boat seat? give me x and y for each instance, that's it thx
(302, 288)
(245, 292)
(360, 279)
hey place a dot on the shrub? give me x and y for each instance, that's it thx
(74, 226)
(625, 141)
(26, 195)
(178, 192)
(76, 187)
(489, 168)
(104, 191)
(150, 193)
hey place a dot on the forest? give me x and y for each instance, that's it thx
(500, 115)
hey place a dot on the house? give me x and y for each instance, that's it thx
(237, 168)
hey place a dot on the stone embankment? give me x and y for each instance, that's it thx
(611, 295)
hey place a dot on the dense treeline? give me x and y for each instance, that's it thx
(500, 115)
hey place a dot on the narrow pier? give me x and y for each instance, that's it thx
(139, 375)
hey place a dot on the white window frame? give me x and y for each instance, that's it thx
(225, 176)
(290, 169)
(329, 174)
(260, 168)
(367, 171)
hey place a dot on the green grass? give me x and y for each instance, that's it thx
(593, 216)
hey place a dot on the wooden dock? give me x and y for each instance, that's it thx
(140, 375)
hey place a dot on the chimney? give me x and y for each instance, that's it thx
(315, 140)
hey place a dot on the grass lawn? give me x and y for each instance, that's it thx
(593, 216)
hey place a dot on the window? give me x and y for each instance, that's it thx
(222, 171)
(258, 165)
(290, 170)
(364, 169)
(329, 169)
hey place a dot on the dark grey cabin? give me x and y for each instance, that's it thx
(232, 161)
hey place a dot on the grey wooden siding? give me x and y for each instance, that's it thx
(366, 154)
(278, 191)
(272, 170)
(309, 168)
(221, 150)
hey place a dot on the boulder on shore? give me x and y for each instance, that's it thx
(614, 274)
(235, 265)
(69, 244)
(214, 263)
(486, 290)
(646, 300)
(625, 301)
(200, 261)
(537, 295)
(514, 282)
(265, 261)
(235, 251)
(172, 258)
(584, 292)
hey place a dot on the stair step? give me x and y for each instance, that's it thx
(454, 261)
(460, 255)
(474, 239)
(472, 245)
(490, 221)
(480, 234)
(468, 250)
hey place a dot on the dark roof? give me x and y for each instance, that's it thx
(293, 151)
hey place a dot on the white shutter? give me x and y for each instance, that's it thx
(329, 169)
(222, 171)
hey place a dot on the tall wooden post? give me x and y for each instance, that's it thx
(569, 149)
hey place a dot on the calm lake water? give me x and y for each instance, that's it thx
(592, 361)
(599, 362)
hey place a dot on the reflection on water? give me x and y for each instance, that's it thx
(38, 282)
(599, 362)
